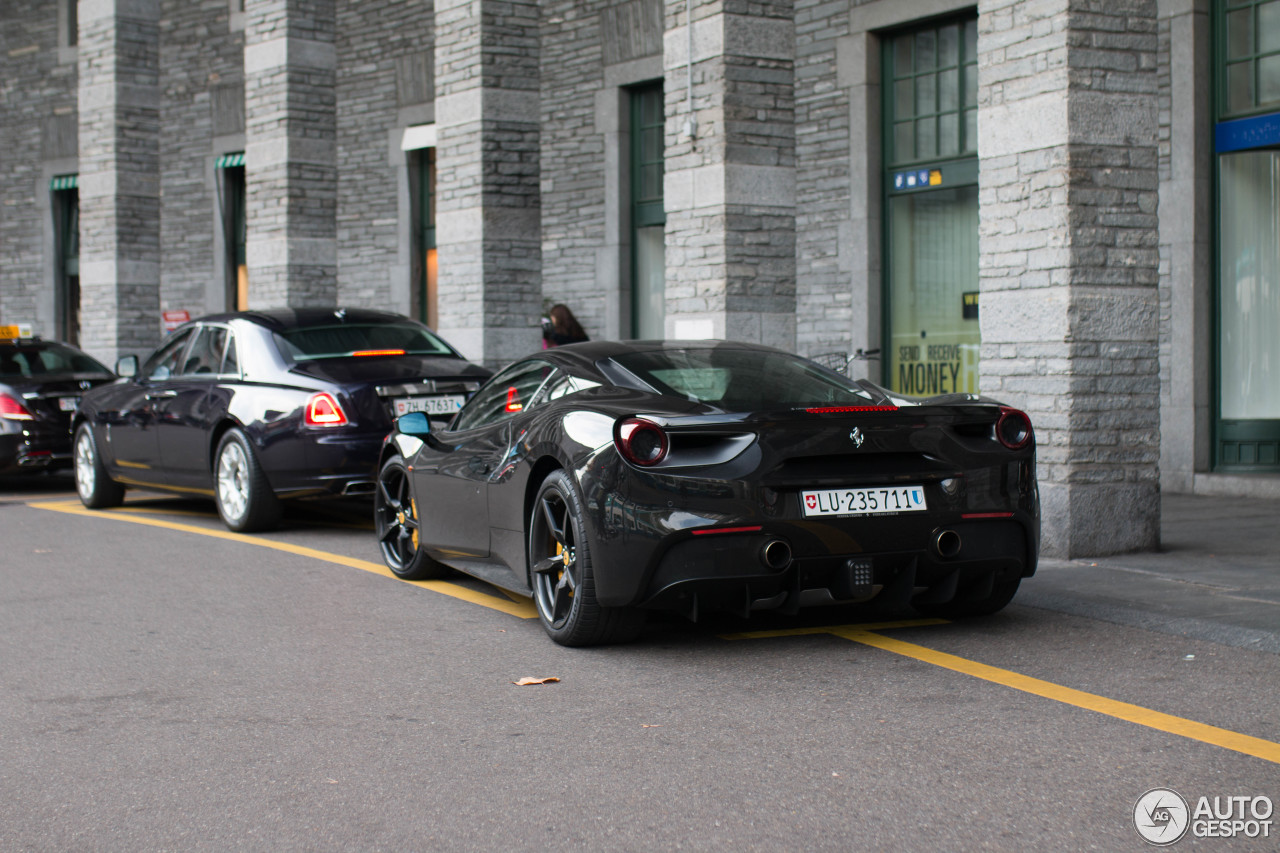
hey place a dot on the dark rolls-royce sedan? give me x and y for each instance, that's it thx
(253, 407)
(606, 479)
(40, 386)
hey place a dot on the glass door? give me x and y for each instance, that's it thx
(931, 337)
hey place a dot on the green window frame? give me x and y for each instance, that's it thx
(931, 89)
(1246, 66)
(1248, 53)
(648, 213)
(930, 336)
(425, 306)
(232, 186)
(66, 219)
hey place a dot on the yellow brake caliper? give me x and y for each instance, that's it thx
(413, 507)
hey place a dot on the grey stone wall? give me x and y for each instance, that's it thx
(487, 206)
(574, 203)
(1186, 243)
(1069, 256)
(384, 67)
(825, 281)
(291, 152)
(730, 188)
(201, 81)
(38, 138)
(119, 99)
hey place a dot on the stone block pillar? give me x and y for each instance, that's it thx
(1069, 259)
(730, 171)
(119, 183)
(488, 222)
(291, 172)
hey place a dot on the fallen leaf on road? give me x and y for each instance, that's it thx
(651, 725)
(527, 681)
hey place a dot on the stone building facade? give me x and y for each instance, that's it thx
(1020, 197)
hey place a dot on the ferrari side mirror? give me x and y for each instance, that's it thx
(414, 423)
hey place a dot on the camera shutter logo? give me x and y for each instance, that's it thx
(1161, 816)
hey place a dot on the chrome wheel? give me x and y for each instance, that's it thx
(233, 480)
(96, 489)
(86, 460)
(246, 501)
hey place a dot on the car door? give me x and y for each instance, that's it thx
(132, 423)
(453, 477)
(190, 409)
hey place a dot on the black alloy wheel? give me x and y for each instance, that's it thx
(96, 489)
(395, 516)
(561, 573)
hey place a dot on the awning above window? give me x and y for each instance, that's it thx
(64, 182)
(229, 161)
(418, 136)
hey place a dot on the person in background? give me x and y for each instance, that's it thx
(561, 328)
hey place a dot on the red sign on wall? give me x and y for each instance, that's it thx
(174, 319)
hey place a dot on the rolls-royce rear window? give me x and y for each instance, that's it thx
(359, 340)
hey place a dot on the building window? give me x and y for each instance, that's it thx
(424, 298)
(68, 23)
(931, 209)
(66, 230)
(1247, 146)
(419, 144)
(648, 216)
(231, 186)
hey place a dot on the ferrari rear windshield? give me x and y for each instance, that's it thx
(29, 361)
(739, 380)
(354, 340)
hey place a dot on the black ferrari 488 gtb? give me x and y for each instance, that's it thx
(605, 479)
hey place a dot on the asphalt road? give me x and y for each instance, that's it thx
(165, 685)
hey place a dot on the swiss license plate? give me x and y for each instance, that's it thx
(445, 405)
(68, 404)
(877, 501)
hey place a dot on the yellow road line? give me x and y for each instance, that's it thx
(1180, 726)
(523, 609)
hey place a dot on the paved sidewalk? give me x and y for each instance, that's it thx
(1216, 577)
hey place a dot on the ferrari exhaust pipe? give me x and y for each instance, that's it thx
(947, 543)
(776, 554)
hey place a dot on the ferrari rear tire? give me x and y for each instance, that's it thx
(395, 516)
(245, 499)
(563, 577)
(96, 489)
(1002, 593)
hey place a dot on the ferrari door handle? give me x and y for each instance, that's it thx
(478, 465)
(160, 395)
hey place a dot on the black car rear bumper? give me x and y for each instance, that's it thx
(750, 572)
(693, 546)
(34, 449)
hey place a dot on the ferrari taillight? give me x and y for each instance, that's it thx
(640, 442)
(1013, 429)
(323, 411)
(12, 410)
